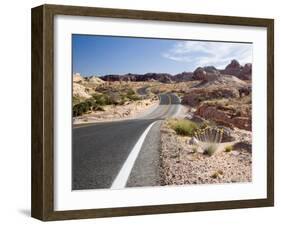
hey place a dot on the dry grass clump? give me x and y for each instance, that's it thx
(228, 148)
(183, 127)
(210, 149)
(217, 174)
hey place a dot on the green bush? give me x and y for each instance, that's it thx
(184, 127)
(80, 108)
(84, 107)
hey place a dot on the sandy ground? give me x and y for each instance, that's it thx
(113, 113)
(182, 163)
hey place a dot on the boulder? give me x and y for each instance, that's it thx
(243, 145)
(228, 134)
(193, 141)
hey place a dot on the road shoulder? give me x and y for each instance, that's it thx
(146, 169)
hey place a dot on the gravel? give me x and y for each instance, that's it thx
(182, 163)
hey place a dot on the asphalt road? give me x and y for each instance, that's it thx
(142, 91)
(99, 150)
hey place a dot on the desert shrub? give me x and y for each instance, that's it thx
(133, 97)
(103, 99)
(184, 127)
(97, 108)
(209, 134)
(76, 110)
(228, 148)
(217, 174)
(194, 149)
(83, 107)
(210, 149)
(130, 92)
(80, 108)
(76, 100)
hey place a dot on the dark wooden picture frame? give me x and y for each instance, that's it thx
(42, 203)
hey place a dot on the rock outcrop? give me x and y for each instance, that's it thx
(183, 77)
(195, 96)
(80, 91)
(209, 73)
(95, 80)
(242, 72)
(246, 73)
(224, 116)
(224, 80)
(77, 77)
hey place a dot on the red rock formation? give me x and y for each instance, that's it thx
(234, 68)
(224, 117)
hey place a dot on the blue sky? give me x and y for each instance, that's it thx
(101, 55)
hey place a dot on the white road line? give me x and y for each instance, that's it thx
(123, 175)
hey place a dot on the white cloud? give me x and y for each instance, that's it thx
(202, 53)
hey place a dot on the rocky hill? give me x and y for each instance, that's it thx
(83, 86)
(94, 80)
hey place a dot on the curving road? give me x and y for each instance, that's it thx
(100, 150)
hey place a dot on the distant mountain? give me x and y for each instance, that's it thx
(161, 77)
(207, 73)
(183, 77)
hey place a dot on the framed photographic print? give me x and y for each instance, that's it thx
(141, 112)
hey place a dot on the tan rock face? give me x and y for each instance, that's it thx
(77, 77)
(95, 80)
(80, 91)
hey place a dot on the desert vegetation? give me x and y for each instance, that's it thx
(183, 126)
(97, 100)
